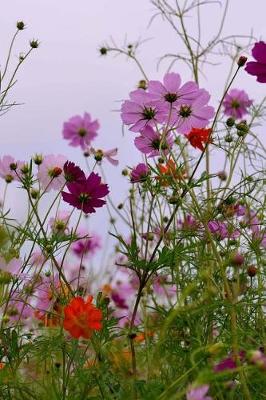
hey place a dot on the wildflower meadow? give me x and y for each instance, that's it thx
(167, 298)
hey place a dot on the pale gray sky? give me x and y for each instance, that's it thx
(66, 75)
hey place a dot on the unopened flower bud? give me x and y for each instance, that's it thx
(228, 138)
(55, 172)
(25, 169)
(222, 175)
(38, 159)
(9, 178)
(34, 44)
(103, 51)
(230, 200)
(13, 166)
(125, 172)
(237, 260)
(160, 160)
(20, 25)
(252, 271)
(242, 128)
(230, 122)
(98, 156)
(34, 193)
(242, 61)
(120, 206)
(142, 84)
(174, 200)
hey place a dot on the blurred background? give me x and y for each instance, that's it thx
(66, 75)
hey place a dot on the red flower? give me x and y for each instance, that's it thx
(82, 318)
(198, 136)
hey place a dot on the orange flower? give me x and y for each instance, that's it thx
(168, 171)
(198, 136)
(141, 336)
(82, 318)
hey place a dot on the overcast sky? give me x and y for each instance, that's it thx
(66, 75)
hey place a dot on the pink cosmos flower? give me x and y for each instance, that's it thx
(80, 130)
(193, 114)
(86, 195)
(170, 92)
(163, 287)
(258, 67)
(221, 230)
(236, 103)
(142, 110)
(19, 309)
(13, 266)
(10, 169)
(122, 293)
(139, 173)
(199, 393)
(50, 172)
(60, 221)
(108, 154)
(87, 245)
(46, 293)
(189, 223)
(150, 142)
(38, 258)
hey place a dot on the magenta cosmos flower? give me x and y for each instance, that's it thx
(87, 245)
(221, 230)
(258, 67)
(150, 142)
(50, 172)
(236, 103)
(73, 173)
(142, 110)
(86, 195)
(170, 92)
(80, 130)
(139, 173)
(194, 114)
(199, 393)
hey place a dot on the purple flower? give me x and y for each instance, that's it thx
(170, 93)
(139, 173)
(50, 172)
(221, 231)
(192, 114)
(229, 362)
(80, 130)
(87, 245)
(150, 142)
(236, 103)
(86, 195)
(73, 173)
(142, 110)
(258, 67)
(199, 393)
